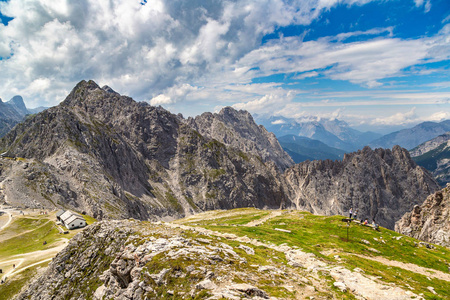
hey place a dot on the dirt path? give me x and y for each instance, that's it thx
(409, 267)
(43, 255)
(17, 270)
(8, 222)
(258, 222)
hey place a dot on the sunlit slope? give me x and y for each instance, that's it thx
(27, 245)
(390, 257)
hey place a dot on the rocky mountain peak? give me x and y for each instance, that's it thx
(17, 103)
(238, 130)
(109, 90)
(79, 92)
(238, 115)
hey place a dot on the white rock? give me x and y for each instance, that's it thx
(99, 292)
(247, 249)
(340, 285)
(206, 284)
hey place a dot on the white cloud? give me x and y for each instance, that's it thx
(427, 5)
(358, 62)
(278, 122)
(140, 50)
(173, 94)
(169, 52)
(306, 75)
(398, 118)
(272, 103)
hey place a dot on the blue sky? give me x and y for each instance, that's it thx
(378, 65)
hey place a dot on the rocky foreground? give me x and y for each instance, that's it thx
(140, 260)
(430, 221)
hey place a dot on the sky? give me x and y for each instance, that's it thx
(377, 65)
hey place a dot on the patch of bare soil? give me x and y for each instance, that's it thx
(258, 222)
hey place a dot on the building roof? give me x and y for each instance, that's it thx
(60, 212)
(73, 218)
(67, 215)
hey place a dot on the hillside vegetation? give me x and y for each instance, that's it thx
(244, 253)
(29, 243)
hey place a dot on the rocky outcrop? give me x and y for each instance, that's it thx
(430, 221)
(238, 130)
(381, 184)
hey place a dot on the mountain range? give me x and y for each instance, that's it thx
(434, 155)
(302, 148)
(112, 157)
(12, 112)
(412, 137)
(328, 139)
(334, 133)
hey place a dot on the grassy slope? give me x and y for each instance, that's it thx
(326, 237)
(24, 235)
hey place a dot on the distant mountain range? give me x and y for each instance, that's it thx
(13, 112)
(301, 148)
(329, 139)
(334, 133)
(434, 155)
(412, 137)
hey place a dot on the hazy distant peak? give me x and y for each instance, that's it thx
(17, 103)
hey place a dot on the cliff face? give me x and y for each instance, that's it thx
(119, 158)
(381, 184)
(238, 130)
(430, 221)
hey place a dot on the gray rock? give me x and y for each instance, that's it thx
(430, 221)
(381, 184)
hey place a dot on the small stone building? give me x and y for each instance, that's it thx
(71, 220)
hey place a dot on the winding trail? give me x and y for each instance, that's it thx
(7, 223)
(408, 266)
(17, 270)
(46, 255)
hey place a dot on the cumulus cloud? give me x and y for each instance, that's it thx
(169, 52)
(273, 102)
(398, 118)
(140, 50)
(173, 94)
